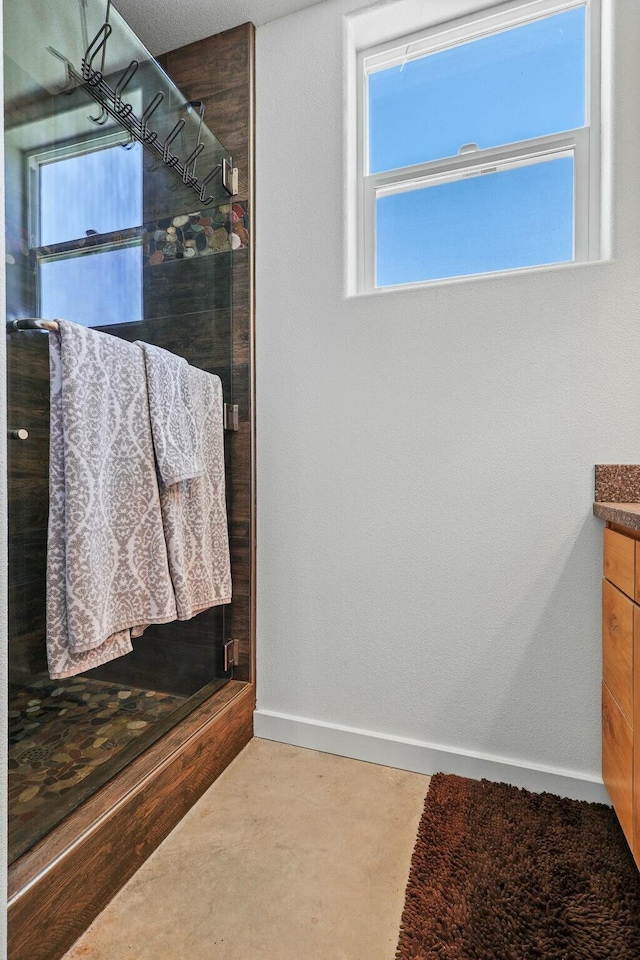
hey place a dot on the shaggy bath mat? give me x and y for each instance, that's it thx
(503, 874)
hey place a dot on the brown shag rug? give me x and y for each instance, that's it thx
(503, 874)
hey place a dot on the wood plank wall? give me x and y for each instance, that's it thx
(28, 408)
(220, 71)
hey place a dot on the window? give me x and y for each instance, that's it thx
(85, 213)
(479, 145)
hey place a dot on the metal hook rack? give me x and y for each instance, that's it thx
(112, 105)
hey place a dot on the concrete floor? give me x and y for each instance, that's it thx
(291, 854)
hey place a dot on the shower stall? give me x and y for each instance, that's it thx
(124, 214)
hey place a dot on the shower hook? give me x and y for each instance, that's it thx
(166, 155)
(106, 20)
(131, 141)
(203, 193)
(123, 82)
(83, 22)
(71, 84)
(153, 106)
(102, 117)
(190, 105)
(193, 156)
(94, 48)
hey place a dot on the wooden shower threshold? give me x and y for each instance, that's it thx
(61, 884)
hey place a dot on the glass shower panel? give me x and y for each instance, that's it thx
(103, 233)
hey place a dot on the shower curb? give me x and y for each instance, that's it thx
(58, 887)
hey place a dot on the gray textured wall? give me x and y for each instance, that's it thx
(428, 563)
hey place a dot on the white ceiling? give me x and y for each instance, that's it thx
(166, 24)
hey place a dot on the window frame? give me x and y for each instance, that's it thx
(75, 247)
(584, 142)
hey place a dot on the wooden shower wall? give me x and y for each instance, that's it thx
(28, 473)
(220, 71)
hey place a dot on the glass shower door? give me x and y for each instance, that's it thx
(102, 233)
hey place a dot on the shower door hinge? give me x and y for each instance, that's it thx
(231, 654)
(229, 178)
(231, 417)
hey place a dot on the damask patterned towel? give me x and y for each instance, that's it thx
(107, 566)
(194, 512)
(173, 419)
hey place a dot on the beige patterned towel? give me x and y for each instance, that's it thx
(194, 511)
(107, 565)
(173, 418)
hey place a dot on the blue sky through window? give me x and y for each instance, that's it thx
(93, 289)
(525, 82)
(100, 191)
(519, 217)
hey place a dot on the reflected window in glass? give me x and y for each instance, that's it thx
(86, 210)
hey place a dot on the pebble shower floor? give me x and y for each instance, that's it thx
(60, 733)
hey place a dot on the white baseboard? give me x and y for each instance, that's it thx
(424, 758)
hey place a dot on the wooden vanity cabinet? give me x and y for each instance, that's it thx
(621, 679)
(636, 743)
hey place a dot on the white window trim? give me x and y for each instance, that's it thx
(584, 143)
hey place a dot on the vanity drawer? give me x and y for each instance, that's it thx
(620, 561)
(617, 646)
(617, 761)
(636, 739)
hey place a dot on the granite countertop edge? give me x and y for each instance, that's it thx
(626, 514)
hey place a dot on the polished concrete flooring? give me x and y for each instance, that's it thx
(290, 855)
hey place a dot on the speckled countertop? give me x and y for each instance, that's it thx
(617, 483)
(617, 497)
(626, 514)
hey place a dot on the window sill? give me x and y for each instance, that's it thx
(481, 277)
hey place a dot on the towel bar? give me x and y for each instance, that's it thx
(32, 323)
